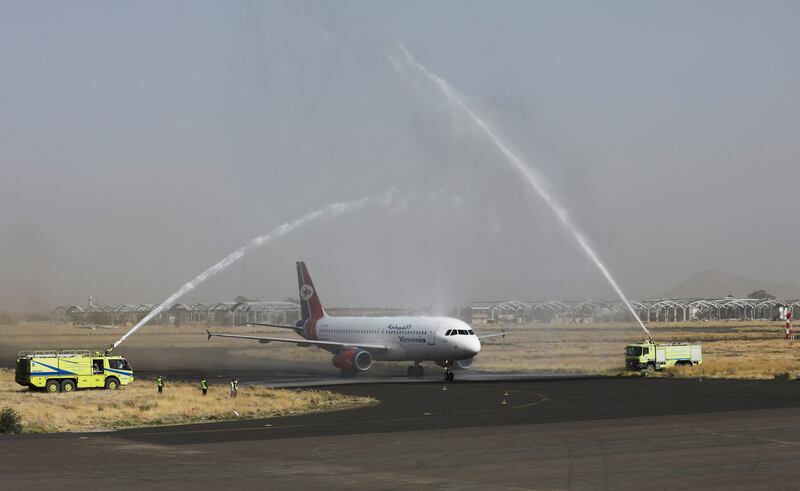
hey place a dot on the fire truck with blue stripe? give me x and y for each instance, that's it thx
(67, 370)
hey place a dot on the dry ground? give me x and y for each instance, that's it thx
(137, 404)
(730, 348)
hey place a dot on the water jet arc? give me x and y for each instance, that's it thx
(525, 170)
(331, 210)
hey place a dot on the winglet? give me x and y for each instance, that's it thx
(209, 334)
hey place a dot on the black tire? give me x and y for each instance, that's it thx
(650, 368)
(451, 376)
(419, 370)
(112, 383)
(67, 386)
(411, 372)
(52, 386)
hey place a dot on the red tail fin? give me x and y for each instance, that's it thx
(310, 305)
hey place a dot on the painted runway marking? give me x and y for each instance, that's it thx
(740, 437)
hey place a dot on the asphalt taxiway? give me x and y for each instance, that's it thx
(330, 378)
(581, 433)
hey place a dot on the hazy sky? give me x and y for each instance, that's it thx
(141, 142)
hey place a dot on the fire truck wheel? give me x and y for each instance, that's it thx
(67, 386)
(651, 368)
(112, 383)
(52, 387)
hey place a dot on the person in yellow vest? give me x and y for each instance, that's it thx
(160, 384)
(204, 386)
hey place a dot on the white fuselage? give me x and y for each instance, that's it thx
(405, 338)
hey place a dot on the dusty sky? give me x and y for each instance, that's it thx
(142, 142)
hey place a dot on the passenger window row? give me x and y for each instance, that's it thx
(368, 331)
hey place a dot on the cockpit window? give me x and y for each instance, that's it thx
(448, 332)
(462, 332)
(471, 332)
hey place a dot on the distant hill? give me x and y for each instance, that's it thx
(715, 284)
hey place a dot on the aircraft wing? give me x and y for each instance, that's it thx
(493, 335)
(372, 348)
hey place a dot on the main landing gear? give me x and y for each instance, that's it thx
(415, 370)
(449, 376)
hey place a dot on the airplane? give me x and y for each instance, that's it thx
(356, 342)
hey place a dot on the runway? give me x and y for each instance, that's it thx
(329, 378)
(600, 433)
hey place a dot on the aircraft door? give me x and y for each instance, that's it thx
(432, 335)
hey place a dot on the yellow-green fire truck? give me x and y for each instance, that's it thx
(67, 370)
(652, 356)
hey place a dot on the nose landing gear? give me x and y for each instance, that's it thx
(448, 374)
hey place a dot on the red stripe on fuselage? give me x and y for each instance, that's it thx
(310, 331)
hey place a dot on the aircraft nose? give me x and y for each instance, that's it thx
(472, 346)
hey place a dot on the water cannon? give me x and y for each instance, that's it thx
(109, 350)
(646, 331)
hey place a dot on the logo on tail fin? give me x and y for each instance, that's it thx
(309, 299)
(306, 292)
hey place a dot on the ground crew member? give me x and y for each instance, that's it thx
(160, 384)
(234, 387)
(204, 386)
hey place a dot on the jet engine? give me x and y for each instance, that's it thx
(353, 360)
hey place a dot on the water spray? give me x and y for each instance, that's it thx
(524, 169)
(329, 211)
